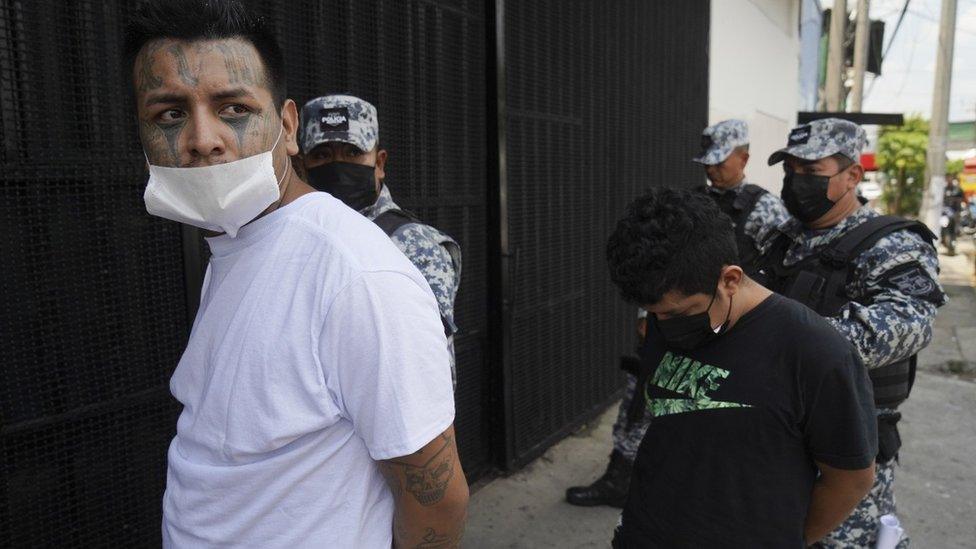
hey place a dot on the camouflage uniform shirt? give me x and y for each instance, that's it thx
(436, 255)
(894, 289)
(768, 214)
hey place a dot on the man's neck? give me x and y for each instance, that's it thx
(749, 296)
(731, 186)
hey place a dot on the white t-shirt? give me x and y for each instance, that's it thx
(318, 348)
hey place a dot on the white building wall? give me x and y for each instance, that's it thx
(754, 75)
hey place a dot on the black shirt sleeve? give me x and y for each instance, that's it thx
(839, 424)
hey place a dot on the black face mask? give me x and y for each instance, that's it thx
(692, 331)
(805, 195)
(353, 184)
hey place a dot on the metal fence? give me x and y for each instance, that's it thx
(602, 100)
(593, 103)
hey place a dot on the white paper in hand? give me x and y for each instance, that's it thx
(889, 532)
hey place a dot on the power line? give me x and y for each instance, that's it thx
(884, 53)
(901, 17)
(932, 19)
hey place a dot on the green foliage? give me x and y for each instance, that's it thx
(901, 156)
(913, 124)
(954, 167)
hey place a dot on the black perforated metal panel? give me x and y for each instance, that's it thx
(604, 99)
(92, 319)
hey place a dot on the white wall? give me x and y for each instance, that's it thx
(754, 75)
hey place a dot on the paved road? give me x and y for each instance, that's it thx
(936, 487)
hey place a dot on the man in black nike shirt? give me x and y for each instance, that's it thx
(763, 431)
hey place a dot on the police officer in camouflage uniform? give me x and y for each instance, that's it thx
(755, 213)
(875, 278)
(341, 155)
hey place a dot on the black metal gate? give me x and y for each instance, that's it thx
(93, 316)
(602, 99)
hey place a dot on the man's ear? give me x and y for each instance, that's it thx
(289, 120)
(856, 175)
(381, 157)
(731, 280)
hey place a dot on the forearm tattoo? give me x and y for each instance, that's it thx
(433, 540)
(427, 483)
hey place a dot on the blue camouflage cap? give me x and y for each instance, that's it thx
(823, 138)
(339, 118)
(719, 140)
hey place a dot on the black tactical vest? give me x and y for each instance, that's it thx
(393, 219)
(738, 206)
(820, 282)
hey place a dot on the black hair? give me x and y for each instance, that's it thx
(193, 20)
(670, 239)
(843, 161)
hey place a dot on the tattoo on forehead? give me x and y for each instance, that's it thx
(203, 47)
(239, 70)
(183, 66)
(147, 79)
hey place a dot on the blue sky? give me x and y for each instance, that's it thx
(908, 72)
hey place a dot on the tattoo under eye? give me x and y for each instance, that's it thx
(158, 140)
(172, 134)
(240, 126)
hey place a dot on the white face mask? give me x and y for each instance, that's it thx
(223, 197)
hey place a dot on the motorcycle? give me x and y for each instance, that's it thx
(949, 226)
(967, 218)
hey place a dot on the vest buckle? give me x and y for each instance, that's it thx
(832, 258)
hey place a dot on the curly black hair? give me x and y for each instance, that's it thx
(670, 239)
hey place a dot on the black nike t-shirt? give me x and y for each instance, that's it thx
(728, 459)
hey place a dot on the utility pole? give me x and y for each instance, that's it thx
(861, 37)
(834, 85)
(939, 125)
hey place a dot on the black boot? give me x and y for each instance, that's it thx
(610, 489)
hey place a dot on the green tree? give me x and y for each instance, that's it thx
(901, 156)
(954, 167)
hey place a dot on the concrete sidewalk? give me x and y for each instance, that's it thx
(936, 486)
